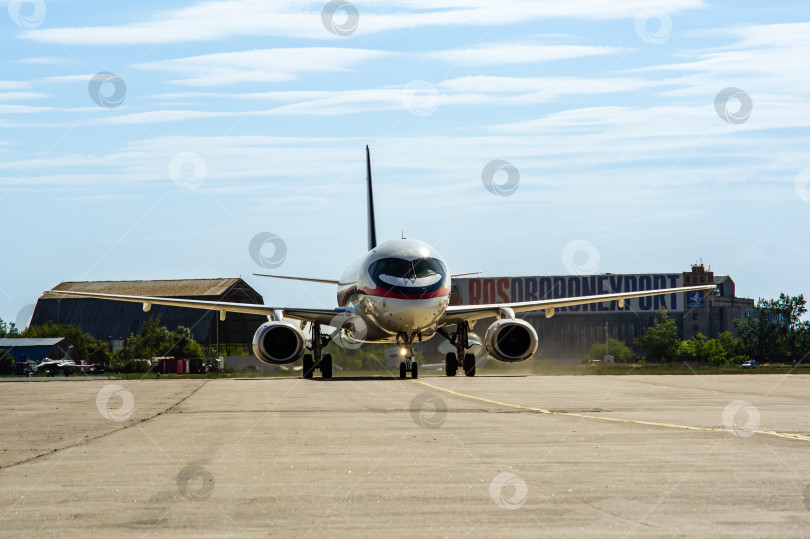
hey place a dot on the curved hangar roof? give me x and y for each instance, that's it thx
(170, 288)
(117, 319)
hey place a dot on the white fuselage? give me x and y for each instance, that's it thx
(401, 287)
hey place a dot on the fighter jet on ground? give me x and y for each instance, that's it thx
(398, 292)
(51, 364)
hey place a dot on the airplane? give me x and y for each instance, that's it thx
(398, 292)
(48, 363)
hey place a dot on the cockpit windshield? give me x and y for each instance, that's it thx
(426, 267)
(407, 269)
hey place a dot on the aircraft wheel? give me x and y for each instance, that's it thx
(469, 364)
(414, 370)
(309, 366)
(450, 364)
(326, 366)
(402, 371)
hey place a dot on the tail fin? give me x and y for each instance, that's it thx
(372, 229)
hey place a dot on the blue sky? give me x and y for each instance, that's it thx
(245, 117)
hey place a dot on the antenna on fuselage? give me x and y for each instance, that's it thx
(372, 229)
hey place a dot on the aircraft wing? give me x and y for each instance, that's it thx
(321, 316)
(459, 313)
(307, 279)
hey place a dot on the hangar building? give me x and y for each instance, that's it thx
(573, 330)
(40, 349)
(116, 320)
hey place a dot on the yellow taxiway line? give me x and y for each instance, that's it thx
(603, 418)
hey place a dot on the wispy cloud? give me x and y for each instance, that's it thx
(159, 116)
(667, 123)
(506, 91)
(45, 60)
(486, 88)
(513, 53)
(20, 96)
(554, 86)
(79, 77)
(770, 35)
(261, 65)
(215, 20)
(13, 84)
(765, 61)
(23, 109)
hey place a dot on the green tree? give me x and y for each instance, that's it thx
(98, 351)
(132, 365)
(700, 349)
(801, 343)
(692, 350)
(660, 342)
(774, 331)
(6, 362)
(158, 341)
(8, 330)
(620, 351)
(186, 346)
(730, 344)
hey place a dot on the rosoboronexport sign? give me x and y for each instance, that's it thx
(480, 291)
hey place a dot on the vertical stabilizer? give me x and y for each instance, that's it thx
(372, 229)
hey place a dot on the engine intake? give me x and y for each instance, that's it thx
(511, 340)
(278, 343)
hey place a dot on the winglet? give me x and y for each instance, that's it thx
(372, 229)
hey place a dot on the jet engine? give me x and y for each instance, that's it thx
(278, 343)
(511, 340)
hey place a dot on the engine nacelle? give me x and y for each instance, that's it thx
(511, 340)
(278, 343)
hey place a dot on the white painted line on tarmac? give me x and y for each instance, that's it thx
(604, 418)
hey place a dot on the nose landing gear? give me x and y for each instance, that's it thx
(408, 364)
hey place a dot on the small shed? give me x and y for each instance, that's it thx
(40, 349)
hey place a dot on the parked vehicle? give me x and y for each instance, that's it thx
(750, 364)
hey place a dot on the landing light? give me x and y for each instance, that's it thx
(403, 351)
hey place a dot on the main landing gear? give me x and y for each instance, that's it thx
(451, 364)
(407, 365)
(317, 360)
(459, 339)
